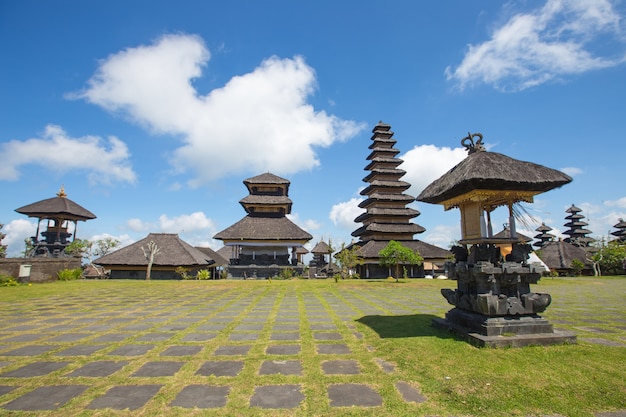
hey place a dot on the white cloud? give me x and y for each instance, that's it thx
(620, 202)
(16, 231)
(185, 223)
(260, 121)
(426, 163)
(544, 44)
(138, 225)
(441, 235)
(572, 171)
(103, 161)
(343, 214)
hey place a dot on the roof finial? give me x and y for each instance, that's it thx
(61, 192)
(472, 146)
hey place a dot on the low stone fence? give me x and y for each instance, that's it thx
(40, 270)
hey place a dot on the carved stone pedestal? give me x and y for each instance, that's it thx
(508, 331)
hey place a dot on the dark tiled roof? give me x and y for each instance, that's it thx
(57, 206)
(267, 178)
(492, 171)
(321, 247)
(506, 234)
(266, 200)
(371, 248)
(560, 254)
(173, 252)
(264, 228)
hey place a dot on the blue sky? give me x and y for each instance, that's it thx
(151, 114)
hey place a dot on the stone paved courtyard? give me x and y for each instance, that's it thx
(190, 348)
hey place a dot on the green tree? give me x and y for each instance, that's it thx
(611, 257)
(394, 255)
(348, 259)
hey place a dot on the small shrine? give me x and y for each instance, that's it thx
(265, 242)
(620, 233)
(543, 236)
(577, 234)
(58, 211)
(493, 303)
(319, 264)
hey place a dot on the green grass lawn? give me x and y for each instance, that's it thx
(388, 323)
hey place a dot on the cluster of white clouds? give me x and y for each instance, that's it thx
(263, 117)
(104, 161)
(546, 44)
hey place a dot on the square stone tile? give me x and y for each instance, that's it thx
(409, 393)
(69, 337)
(212, 327)
(349, 395)
(220, 368)
(174, 327)
(333, 349)
(283, 350)
(80, 350)
(136, 328)
(286, 327)
(131, 350)
(5, 389)
(98, 369)
(160, 368)
(281, 367)
(46, 398)
(285, 336)
(232, 350)
(236, 337)
(125, 396)
(277, 396)
(246, 327)
(111, 338)
(323, 326)
(343, 367)
(155, 337)
(27, 337)
(201, 396)
(35, 369)
(30, 350)
(327, 336)
(199, 337)
(181, 350)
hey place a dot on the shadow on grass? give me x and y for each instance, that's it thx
(412, 325)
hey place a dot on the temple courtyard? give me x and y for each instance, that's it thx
(297, 347)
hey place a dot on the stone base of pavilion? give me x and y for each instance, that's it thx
(508, 331)
(261, 271)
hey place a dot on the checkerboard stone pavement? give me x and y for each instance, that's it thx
(212, 337)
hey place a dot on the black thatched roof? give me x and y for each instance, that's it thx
(321, 247)
(215, 256)
(59, 206)
(173, 252)
(559, 255)
(267, 178)
(492, 171)
(370, 249)
(264, 228)
(273, 200)
(506, 234)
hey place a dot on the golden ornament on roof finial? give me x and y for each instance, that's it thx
(61, 192)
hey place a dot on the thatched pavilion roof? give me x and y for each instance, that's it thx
(321, 247)
(59, 206)
(173, 252)
(370, 249)
(558, 255)
(264, 229)
(484, 170)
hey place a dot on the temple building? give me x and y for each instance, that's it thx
(386, 215)
(493, 302)
(319, 264)
(620, 233)
(543, 236)
(265, 242)
(576, 228)
(59, 212)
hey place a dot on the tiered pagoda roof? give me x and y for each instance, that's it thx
(543, 236)
(386, 216)
(620, 233)
(266, 207)
(576, 228)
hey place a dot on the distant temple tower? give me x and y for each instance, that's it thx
(576, 228)
(58, 211)
(620, 233)
(387, 216)
(543, 236)
(265, 241)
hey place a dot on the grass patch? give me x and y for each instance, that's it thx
(376, 320)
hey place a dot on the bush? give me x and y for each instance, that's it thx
(7, 281)
(183, 272)
(69, 274)
(203, 274)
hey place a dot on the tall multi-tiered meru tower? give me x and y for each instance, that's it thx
(386, 215)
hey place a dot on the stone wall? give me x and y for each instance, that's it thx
(41, 270)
